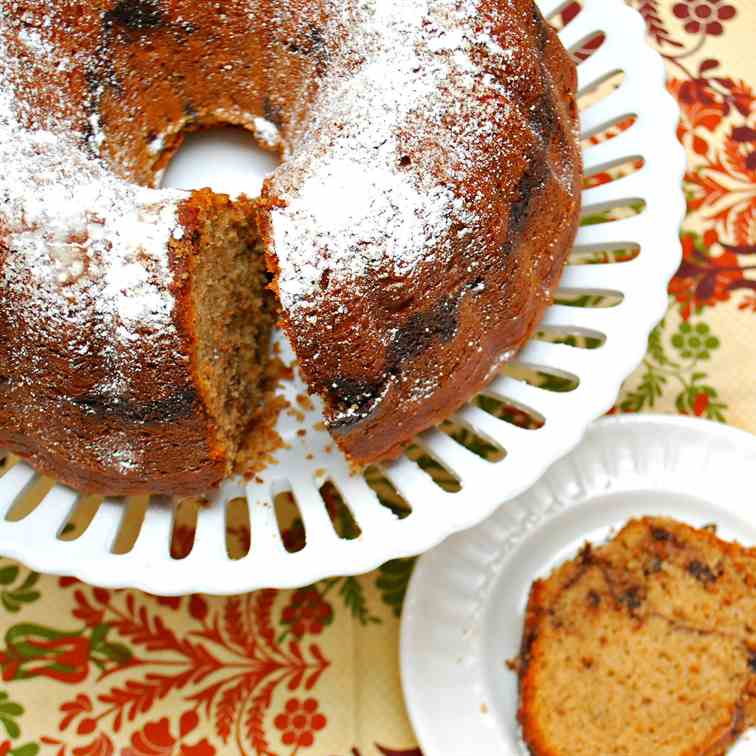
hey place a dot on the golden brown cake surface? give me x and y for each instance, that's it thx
(417, 227)
(646, 645)
(425, 211)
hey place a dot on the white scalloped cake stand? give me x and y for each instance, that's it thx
(308, 463)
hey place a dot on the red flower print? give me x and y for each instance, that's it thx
(155, 739)
(569, 13)
(703, 279)
(721, 178)
(5, 746)
(172, 602)
(102, 745)
(299, 722)
(71, 709)
(230, 665)
(198, 607)
(294, 537)
(700, 403)
(704, 16)
(307, 612)
(90, 615)
(243, 538)
(36, 651)
(67, 659)
(182, 541)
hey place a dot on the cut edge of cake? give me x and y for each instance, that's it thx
(230, 311)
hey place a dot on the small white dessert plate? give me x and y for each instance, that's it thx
(464, 609)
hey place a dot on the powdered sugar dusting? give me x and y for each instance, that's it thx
(357, 206)
(157, 145)
(117, 452)
(32, 39)
(87, 259)
(267, 133)
(66, 216)
(396, 188)
(387, 220)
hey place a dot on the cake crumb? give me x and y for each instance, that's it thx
(304, 401)
(296, 414)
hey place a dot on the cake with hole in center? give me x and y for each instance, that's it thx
(409, 242)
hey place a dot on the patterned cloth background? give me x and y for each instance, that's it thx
(91, 672)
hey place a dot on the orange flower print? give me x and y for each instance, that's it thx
(721, 177)
(704, 279)
(748, 304)
(156, 739)
(230, 665)
(299, 722)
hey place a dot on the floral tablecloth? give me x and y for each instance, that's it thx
(88, 671)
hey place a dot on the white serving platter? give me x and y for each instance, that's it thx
(35, 513)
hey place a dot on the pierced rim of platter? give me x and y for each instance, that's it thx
(567, 375)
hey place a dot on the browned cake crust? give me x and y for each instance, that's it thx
(48, 412)
(646, 645)
(393, 354)
(158, 435)
(463, 146)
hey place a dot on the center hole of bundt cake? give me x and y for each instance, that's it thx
(225, 159)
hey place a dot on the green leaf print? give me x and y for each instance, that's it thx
(28, 749)
(393, 580)
(13, 599)
(9, 710)
(693, 343)
(354, 599)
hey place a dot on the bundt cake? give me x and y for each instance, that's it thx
(409, 242)
(646, 645)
